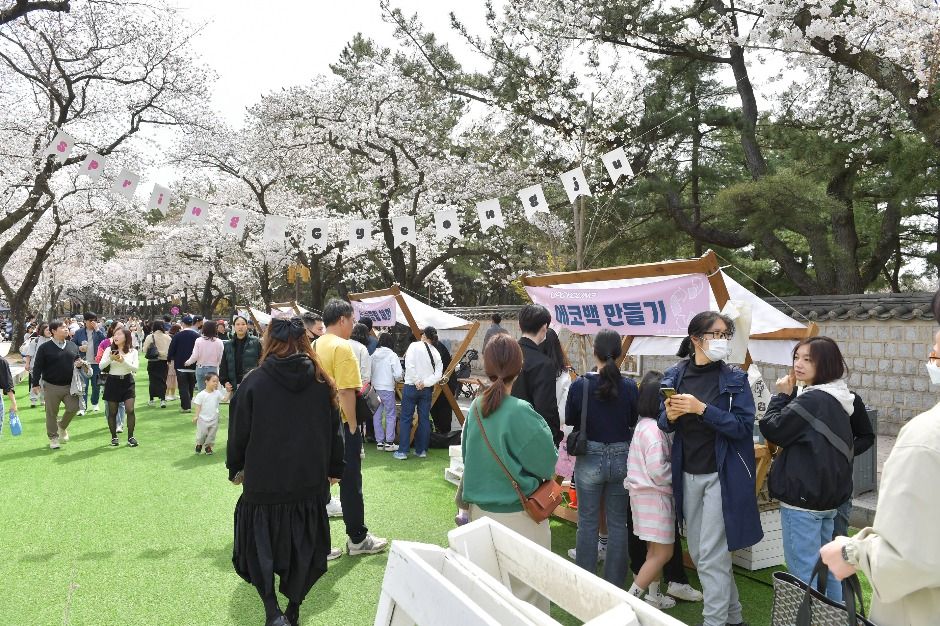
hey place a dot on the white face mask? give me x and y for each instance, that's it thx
(717, 350)
(934, 372)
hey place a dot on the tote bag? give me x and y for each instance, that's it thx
(799, 604)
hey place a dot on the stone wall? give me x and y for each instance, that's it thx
(885, 358)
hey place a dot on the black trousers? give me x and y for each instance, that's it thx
(350, 488)
(157, 371)
(186, 381)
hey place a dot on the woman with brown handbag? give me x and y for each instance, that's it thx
(507, 430)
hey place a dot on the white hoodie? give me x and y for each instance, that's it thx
(386, 369)
(838, 390)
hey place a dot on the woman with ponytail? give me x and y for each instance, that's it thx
(523, 442)
(600, 472)
(713, 466)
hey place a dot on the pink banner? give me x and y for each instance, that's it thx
(659, 308)
(381, 312)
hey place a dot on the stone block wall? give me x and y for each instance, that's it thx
(885, 358)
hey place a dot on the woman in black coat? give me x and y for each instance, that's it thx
(442, 415)
(285, 446)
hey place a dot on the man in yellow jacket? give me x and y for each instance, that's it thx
(900, 552)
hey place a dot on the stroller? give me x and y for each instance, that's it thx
(462, 371)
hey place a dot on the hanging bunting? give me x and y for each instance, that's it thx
(234, 222)
(617, 164)
(447, 223)
(360, 234)
(125, 184)
(490, 214)
(275, 228)
(61, 146)
(575, 184)
(93, 166)
(160, 199)
(196, 212)
(533, 201)
(316, 234)
(404, 231)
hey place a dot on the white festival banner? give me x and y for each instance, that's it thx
(360, 234)
(61, 146)
(617, 164)
(234, 221)
(404, 230)
(490, 214)
(317, 234)
(575, 184)
(125, 184)
(533, 201)
(447, 223)
(197, 211)
(160, 199)
(93, 166)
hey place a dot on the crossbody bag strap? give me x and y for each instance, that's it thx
(486, 439)
(584, 405)
(824, 430)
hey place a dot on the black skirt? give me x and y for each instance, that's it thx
(119, 388)
(290, 540)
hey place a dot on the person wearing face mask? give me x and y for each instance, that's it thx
(536, 382)
(812, 475)
(713, 465)
(900, 552)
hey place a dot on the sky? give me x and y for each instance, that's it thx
(256, 48)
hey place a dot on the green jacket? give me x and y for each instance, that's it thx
(521, 439)
(250, 358)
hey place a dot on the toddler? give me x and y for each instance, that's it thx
(206, 415)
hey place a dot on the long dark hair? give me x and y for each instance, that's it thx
(647, 404)
(502, 362)
(272, 346)
(551, 348)
(128, 339)
(360, 333)
(699, 326)
(608, 348)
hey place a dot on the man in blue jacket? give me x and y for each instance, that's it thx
(713, 464)
(181, 348)
(87, 339)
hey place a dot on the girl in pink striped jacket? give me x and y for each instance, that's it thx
(649, 481)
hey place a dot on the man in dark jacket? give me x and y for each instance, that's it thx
(181, 348)
(55, 365)
(536, 382)
(87, 339)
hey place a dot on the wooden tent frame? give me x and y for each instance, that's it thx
(706, 264)
(440, 387)
(254, 320)
(290, 303)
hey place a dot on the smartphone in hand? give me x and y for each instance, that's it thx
(667, 392)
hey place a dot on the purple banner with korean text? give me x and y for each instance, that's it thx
(663, 307)
(381, 312)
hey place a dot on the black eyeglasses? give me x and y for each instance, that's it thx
(717, 334)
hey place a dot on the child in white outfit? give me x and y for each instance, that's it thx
(206, 415)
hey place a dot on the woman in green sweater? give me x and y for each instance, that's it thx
(523, 442)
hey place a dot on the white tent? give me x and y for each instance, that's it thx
(425, 315)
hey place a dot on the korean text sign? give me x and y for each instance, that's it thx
(382, 312)
(658, 308)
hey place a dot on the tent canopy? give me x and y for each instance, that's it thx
(425, 315)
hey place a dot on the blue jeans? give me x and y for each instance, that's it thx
(600, 473)
(842, 519)
(411, 397)
(201, 372)
(95, 385)
(804, 533)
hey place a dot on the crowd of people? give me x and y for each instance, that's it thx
(674, 451)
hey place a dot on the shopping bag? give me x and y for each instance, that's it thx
(15, 427)
(799, 604)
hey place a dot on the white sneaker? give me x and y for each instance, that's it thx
(80, 412)
(572, 553)
(54, 443)
(63, 434)
(150, 403)
(334, 508)
(601, 553)
(391, 447)
(94, 408)
(684, 592)
(660, 601)
(334, 554)
(370, 545)
(119, 429)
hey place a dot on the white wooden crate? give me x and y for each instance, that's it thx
(769, 551)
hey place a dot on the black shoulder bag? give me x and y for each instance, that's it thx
(577, 440)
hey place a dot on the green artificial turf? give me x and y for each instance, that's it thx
(91, 534)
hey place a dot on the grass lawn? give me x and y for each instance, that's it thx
(91, 534)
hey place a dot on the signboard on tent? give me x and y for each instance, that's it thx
(657, 308)
(381, 312)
